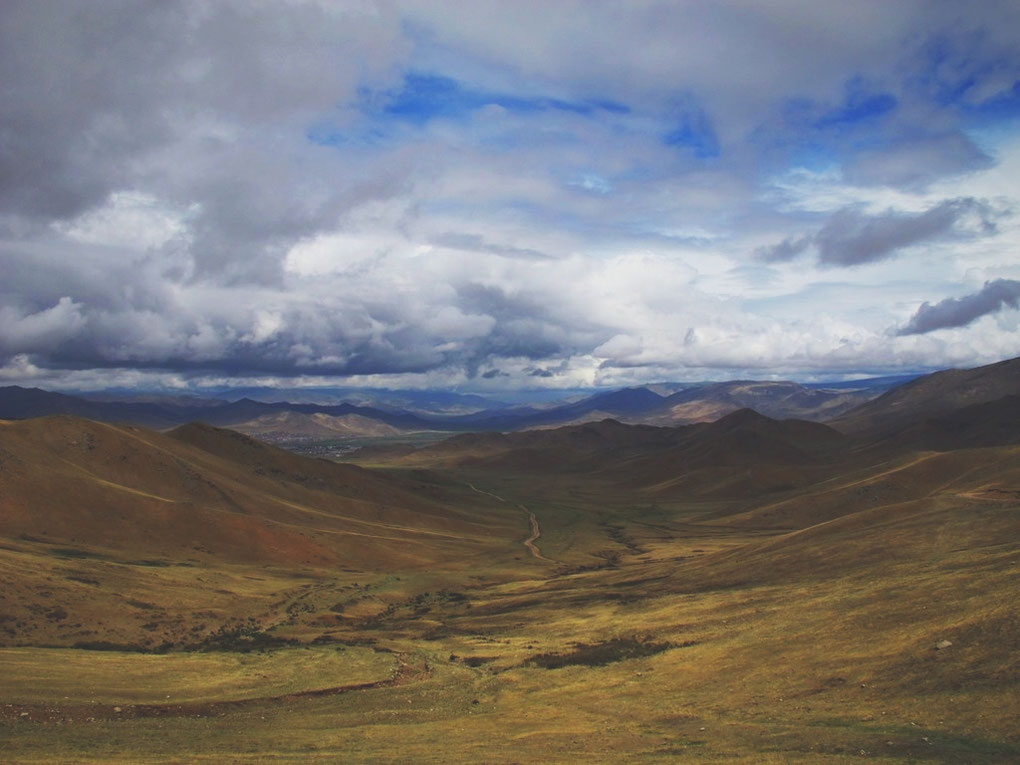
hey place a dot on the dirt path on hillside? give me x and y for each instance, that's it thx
(536, 530)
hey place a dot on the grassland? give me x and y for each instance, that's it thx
(661, 628)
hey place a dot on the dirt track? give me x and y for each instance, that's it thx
(536, 530)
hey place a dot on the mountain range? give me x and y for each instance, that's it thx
(616, 591)
(664, 404)
(69, 478)
(744, 452)
(853, 407)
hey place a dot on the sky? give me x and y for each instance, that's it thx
(491, 196)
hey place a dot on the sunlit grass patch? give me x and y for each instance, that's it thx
(69, 676)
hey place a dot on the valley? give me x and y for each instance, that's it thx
(515, 383)
(748, 590)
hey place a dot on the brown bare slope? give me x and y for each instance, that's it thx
(317, 425)
(572, 447)
(740, 455)
(979, 475)
(201, 490)
(779, 400)
(991, 423)
(745, 436)
(743, 454)
(931, 396)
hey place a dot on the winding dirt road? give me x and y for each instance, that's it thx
(536, 530)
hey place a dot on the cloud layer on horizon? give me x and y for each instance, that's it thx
(522, 194)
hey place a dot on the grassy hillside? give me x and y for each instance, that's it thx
(934, 395)
(200, 596)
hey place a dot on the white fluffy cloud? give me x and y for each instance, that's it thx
(503, 194)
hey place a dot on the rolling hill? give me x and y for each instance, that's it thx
(781, 400)
(737, 440)
(748, 589)
(295, 425)
(204, 491)
(932, 396)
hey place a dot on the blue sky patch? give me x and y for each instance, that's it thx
(425, 97)
(957, 73)
(859, 110)
(694, 131)
(858, 106)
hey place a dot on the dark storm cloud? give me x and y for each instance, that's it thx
(526, 327)
(72, 114)
(100, 311)
(513, 313)
(190, 101)
(958, 312)
(851, 237)
(788, 249)
(71, 337)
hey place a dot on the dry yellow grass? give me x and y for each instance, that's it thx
(73, 678)
(687, 630)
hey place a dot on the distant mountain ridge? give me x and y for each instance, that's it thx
(287, 424)
(742, 454)
(745, 451)
(851, 407)
(773, 399)
(696, 403)
(18, 403)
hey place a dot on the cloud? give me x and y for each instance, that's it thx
(42, 330)
(476, 243)
(406, 190)
(959, 312)
(161, 101)
(19, 369)
(851, 237)
(917, 162)
(788, 249)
